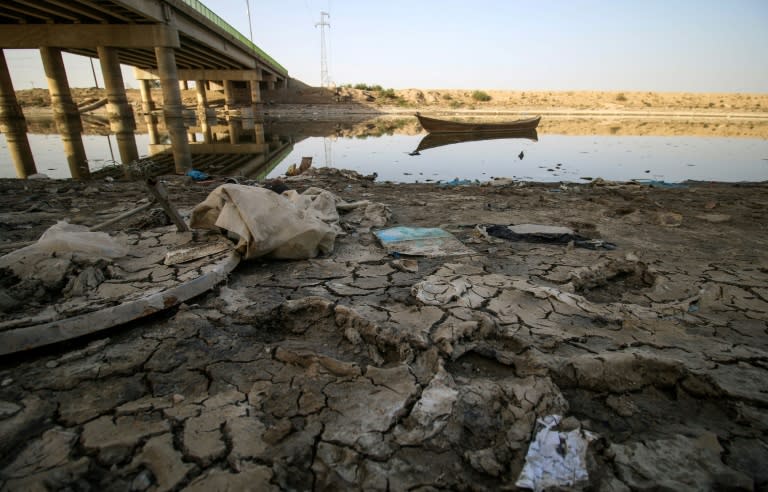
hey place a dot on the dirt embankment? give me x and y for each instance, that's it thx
(388, 100)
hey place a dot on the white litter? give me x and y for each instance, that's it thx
(290, 226)
(555, 458)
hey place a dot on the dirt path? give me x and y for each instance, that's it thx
(360, 371)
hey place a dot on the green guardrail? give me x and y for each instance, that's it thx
(211, 16)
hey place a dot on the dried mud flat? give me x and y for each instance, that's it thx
(359, 371)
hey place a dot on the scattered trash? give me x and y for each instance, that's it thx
(62, 238)
(187, 253)
(538, 233)
(271, 224)
(197, 175)
(715, 218)
(419, 241)
(411, 266)
(670, 219)
(659, 184)
(555, 458)
(458, 182)
(306, 163)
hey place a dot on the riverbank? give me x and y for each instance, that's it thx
(360, 369)
(644, 104)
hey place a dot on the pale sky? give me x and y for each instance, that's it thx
(653, 45)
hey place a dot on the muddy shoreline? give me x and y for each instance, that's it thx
(355, 370)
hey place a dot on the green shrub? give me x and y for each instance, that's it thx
(447, 97)
(456, 104)
(388, 94)
(362, 87)
(481, 96)
(621, 97)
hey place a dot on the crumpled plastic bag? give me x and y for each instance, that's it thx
(556, 459)
(267, 224)
(61, 241)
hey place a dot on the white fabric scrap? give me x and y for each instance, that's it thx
(288, 226)
(555, 459)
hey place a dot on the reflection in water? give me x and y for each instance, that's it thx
(234, 146)
(432, 140)
(566, 150)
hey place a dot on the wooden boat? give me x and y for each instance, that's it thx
(432, 140)
(433, 125)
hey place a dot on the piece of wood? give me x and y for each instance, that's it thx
(158, 191)
(122, 216)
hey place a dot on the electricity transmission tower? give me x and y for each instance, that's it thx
(325, 79)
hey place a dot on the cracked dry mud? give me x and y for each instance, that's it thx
(360, 371)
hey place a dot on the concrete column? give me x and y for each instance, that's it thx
(255, 95)
(202, 98)
(235, 125)
(147, 104)
(119, 111)
(206, 129)
(183, 85)
(152, 130)
(258, 132)
(229, 95)
(172, 108)
(13, 125)
(65, 112)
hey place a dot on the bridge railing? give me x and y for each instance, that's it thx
(211, 16)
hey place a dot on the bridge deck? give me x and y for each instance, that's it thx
(205, 41)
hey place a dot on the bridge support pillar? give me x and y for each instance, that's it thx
(183, 85)
(202, 98)
(235, 126)
(119, 111)
(255, 93)
(229, 94)
(147, 104)
(172, 108)
(65, 112)
(13, 125)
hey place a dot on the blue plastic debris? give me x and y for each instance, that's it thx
(459, 182)
(197, 175)
(420, 241)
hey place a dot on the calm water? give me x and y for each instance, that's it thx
(552, 158)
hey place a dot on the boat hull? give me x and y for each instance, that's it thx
(433, 125)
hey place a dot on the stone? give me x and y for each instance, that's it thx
(8, 409)
(165, 463)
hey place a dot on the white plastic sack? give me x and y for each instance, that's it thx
(555, 459)
(61, 240)
(269, 224)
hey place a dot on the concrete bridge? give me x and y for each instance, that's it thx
(167, 40)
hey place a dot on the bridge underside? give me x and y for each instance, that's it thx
(165, 40)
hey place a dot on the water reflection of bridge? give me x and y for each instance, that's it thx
(230, 147)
